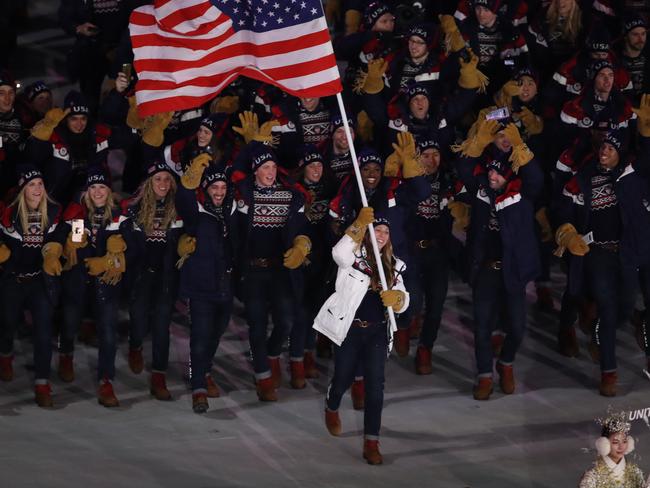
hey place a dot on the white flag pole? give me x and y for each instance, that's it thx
(364, 201)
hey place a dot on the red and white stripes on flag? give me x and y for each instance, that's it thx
(187, 51)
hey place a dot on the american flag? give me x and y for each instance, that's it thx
(187, 51)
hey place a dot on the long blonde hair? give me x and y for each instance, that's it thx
(387, 259)
(147, 198)
(108, 208)
(22, 209)
(573, 23)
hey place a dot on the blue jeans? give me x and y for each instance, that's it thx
(489, 296)
(429, 287)
(267, 290)
(151, 302)
(29, 293)
(612, 285)
(366, 347)
(208, 323)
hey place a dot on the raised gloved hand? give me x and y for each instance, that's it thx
(297, 254)
(503, 98)
(405, 150)
(250, 125)
(52, 252)
(133, 120)
(643, 113)
(227, 104)
(454, 41)
(365, 127)
(154, 127)
(392, 165)
(191, 178)
(520, 155)
(393, 298)
(470, 77)
(534, 124)
(544, 225)
(186, 246)
(332, 11)
(111, 265)
(70, 250)
(43, 129)
(484, 135)
(358, 228)
(265, 134)
(460, 213)
(372, 81)
(567, 237)
(5, 253)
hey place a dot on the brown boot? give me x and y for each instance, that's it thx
(43, 395)
(483, 389)
(200, 402)
(106, 395)
(136, 362)
(211, 387)
(402, 342)
(323, 346)
(6, 368)
(66, 367)
(497, 342)
(311, 371)
(358, 393)
(332, 422)
(371, 452)
(608, 384)
(506, 378)
(276, 372)
(159, 387)
(297, 375)
(545, 299)
(266, 390)
(423, 360)
(568, 342)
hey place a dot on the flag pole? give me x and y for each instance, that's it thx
(364, 201)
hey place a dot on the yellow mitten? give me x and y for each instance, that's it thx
(534, 124)
(521, 155)
(470, 77)
(359, 227)
(567, 237)
(454, 41)
(475, 145)
(186, 246)
(405, 150)
(115, 244)
(52, 252)
(133, 120)
(392, 165)
(265, 133)
(111, 265)
(227, 104)
(352, 21)
(544, 225)
(249, 125)
(643, 113)
(154, 128)
(297, 254)
(43, 129)
(372, 81)
(70, 250)
(393, 298)
(365, 127)
(460, 212)
(5, 253)
(503, 98)
(332, 11)
(191, 178)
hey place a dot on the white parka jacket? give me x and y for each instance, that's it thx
(337, 313)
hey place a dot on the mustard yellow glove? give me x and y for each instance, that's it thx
(454, 41)
(186, 246)
(70, 250)
(154, 128)
(365, 127)
(115, 244)
(352, 21)
(332, 11)
(227, 104)
(265, 134)
(98, 265)
(191, 178)
(643, 113)
(460, 213)
(249, 125)
(392, 165)
(476, 144)
(133, 120)
(359, 227)
(470, 77)
(405, 150)
(544, 225)
(43, 129)
(52, 252)
(111, 266)
(372, 81)
(5, 253)
(503, 98)
(520, 155)
(567, 237)
(534, 124)
(393, 298)
(296, 255)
